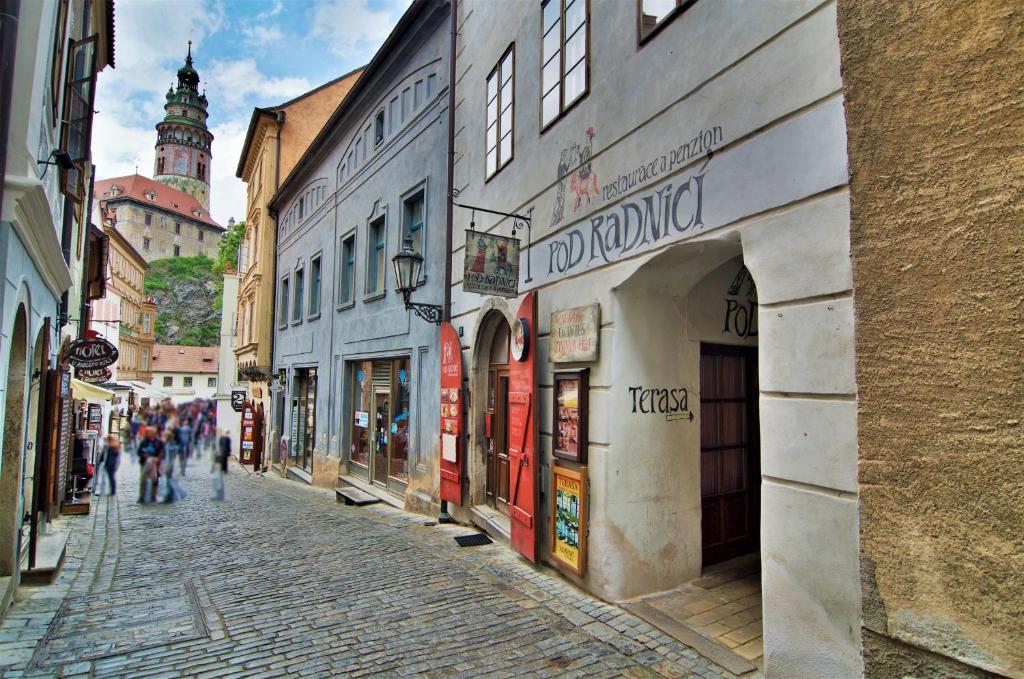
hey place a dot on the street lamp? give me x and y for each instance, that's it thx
(408, 264)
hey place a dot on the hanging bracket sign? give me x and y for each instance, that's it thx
(491, 264)
(94, 375)
(93, 352)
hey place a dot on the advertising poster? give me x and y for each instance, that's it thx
(569, 438)
(451, 414)
(568, 518)
(491, 265)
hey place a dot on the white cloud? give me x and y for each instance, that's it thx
(237, 80)
(351, 28)
(263, 35)
(228, 198)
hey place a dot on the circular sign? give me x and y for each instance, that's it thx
(94, 352)
(94, 375)
(520, 345)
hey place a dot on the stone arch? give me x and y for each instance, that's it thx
(492, 315)
(13, 442)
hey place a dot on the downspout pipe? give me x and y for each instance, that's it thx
(444, 516)
(280, 118)
(8, 42)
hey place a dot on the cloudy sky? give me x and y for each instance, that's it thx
(248, 53)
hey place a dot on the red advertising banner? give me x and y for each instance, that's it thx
(451, 415)
(522, 429)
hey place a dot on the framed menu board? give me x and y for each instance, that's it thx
(570, 421)
(569, 518)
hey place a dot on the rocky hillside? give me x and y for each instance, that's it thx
(187, 294)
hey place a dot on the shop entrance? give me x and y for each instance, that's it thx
(381, 422)
(729, 452)
(496, 423)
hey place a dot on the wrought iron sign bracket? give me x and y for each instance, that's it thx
(431, 313)
(518, 222)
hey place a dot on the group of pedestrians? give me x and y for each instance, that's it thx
(164, 439)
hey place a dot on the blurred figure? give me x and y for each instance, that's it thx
(150, 448)
(184, 434)
(111, 461)
(219, 465)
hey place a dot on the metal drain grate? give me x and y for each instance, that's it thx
(474, 540)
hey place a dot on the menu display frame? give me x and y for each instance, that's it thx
(570, 424)
(569, 519)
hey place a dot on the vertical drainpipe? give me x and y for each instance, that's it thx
(273, 286)
(444, 516)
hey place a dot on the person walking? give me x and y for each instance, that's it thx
(150, 449)
(220, 464)
(171, 452)
(98, 482)
(184, 434)
(111, 461)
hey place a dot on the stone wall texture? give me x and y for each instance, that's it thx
(935, 113)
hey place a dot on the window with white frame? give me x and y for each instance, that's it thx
(564, 69)
(500, 117)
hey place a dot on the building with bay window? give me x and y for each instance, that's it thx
(359, 407)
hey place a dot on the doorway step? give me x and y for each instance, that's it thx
(718, 614)
(50, 550)
(493, 522)
(370, 494)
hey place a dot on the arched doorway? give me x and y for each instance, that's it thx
(13, 441)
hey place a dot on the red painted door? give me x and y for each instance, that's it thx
(451, 415)
(522, 429)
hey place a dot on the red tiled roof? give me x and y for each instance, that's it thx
(175, 358)
(165, 197)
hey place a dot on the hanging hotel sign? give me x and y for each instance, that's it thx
(94, 375)
(94, 352)
(569, 518)
(491, 264)
(575, 334)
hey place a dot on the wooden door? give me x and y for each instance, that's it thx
(451, 415)
(497, 443)
(524, 466)
(381, 422)
(729, 452)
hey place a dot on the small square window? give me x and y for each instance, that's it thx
(168, 380)
(188, 380)
(148, 219)
(145, 243)
(177, 251)
(177, 228)
(211, 382)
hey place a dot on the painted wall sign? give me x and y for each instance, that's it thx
(673, 403)
(569, 518)
(519, 346)
(94, 375)
(491, 264)
(575, 334)
(740, 310)
(94, 352)
(451, 415)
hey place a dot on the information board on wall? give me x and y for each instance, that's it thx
(574, 334)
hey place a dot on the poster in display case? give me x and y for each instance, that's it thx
(569, 518)
(571, 405)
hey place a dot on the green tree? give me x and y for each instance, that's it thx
(227, 251)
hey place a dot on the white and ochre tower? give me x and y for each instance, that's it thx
(183, 143)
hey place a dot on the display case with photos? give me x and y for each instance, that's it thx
(570, 417)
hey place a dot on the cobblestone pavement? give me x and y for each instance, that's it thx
(282, 580)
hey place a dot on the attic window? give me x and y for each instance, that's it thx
(114, 190)
(175, 205)
(150, 195)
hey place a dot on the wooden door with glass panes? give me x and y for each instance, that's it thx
(381, 417)
(497, 482)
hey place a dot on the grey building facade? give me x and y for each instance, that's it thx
(361, 372)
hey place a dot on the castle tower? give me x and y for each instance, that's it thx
(183, 143)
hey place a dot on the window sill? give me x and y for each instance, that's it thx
(346, 305)
(296, 322)
(283, 326)
(374, 296)
(313, 317)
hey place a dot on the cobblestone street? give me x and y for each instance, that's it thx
(280, 579)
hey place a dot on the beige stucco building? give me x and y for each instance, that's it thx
(186, 373)
(276, 139)
(124, 315)
(158, 220)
